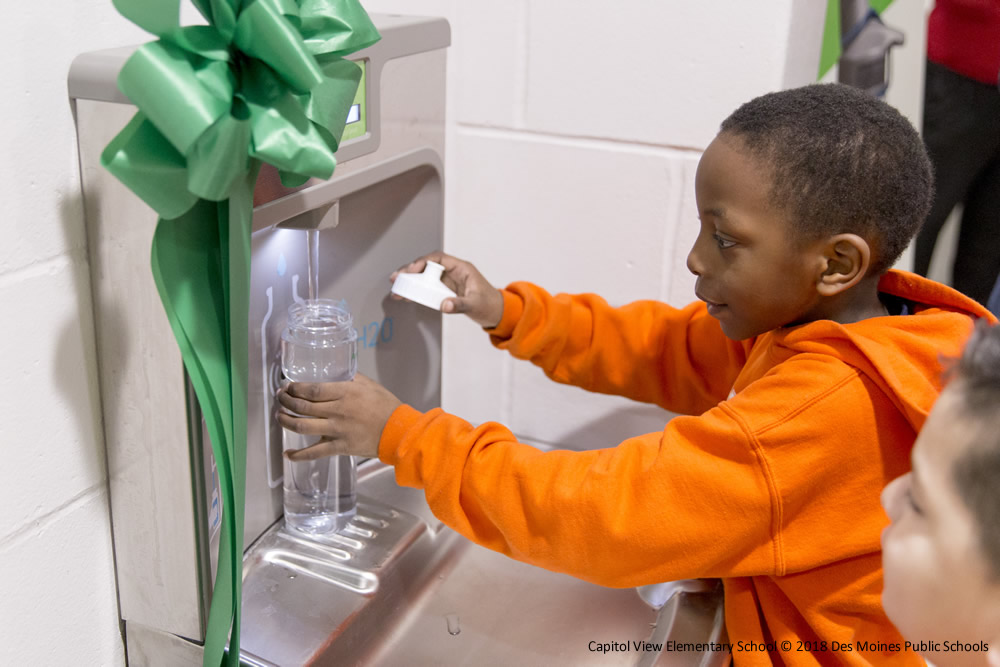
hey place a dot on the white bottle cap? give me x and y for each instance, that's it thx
(425, 288)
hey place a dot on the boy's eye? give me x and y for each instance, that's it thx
(912, 502)
(723, 243)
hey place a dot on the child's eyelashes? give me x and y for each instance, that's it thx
(723, 243)
(912, 502)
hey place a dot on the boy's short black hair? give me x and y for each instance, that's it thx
(976, 474)
(842, 161)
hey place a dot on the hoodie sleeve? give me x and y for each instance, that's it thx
(648, 351)
(785, 477)
(690, 501)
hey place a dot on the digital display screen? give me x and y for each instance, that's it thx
(356, 124)
(354, 115)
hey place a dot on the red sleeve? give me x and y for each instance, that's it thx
(648, 351)
(962, 35)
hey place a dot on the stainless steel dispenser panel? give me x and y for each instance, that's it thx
(382, 225)
(143, 395)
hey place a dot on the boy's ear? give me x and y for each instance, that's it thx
(846, 259)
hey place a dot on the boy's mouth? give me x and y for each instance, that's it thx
(714, 308)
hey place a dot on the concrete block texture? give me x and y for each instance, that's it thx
(572, 216)
(579, 216)
(566, 417)
(59, 602)
(663, 73)
(489, 41)
(38, 175)
(476, 384)
(50, 407)
(59, 605)
(678, 282)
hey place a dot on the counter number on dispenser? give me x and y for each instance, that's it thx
(375, 333)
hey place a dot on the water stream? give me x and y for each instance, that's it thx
(312, 262)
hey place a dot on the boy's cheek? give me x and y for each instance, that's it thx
(910, 581)
(898, 575)
(894, 591)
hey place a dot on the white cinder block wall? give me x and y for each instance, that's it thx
(575, 129)
(57, 592)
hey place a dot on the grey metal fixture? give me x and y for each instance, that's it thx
(866, 42)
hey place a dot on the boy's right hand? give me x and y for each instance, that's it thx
(477, 298)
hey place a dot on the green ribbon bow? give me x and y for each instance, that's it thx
(264, 81)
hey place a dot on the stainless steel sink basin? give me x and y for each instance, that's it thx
(397, 587)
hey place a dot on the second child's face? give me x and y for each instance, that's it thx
(751, 273)
(937, 583)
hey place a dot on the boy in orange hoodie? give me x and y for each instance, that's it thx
(804, 372)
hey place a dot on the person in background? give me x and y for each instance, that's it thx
(941, 554)
(802, 372)
(962, 134)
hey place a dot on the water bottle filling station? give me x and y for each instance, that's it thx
(378, 580)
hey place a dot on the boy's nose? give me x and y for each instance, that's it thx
(693, 263)
(892, 495)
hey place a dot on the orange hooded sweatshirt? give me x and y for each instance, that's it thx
(771, 483)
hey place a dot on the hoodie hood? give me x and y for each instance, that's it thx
(905, 355)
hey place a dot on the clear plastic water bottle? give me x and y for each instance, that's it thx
(319, 344)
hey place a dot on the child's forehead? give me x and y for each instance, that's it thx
(732, 179)
(730, 158)
(755, 152)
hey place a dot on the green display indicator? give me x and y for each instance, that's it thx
(357, 117)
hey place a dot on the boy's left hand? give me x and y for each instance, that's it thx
(349, 416)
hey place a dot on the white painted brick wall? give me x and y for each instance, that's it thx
(55, 453)
(572, 215)
(663, 73)
(573, 137)
(59, 604)
(56, 571)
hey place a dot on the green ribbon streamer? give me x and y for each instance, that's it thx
(830, 49)
(264, 81)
